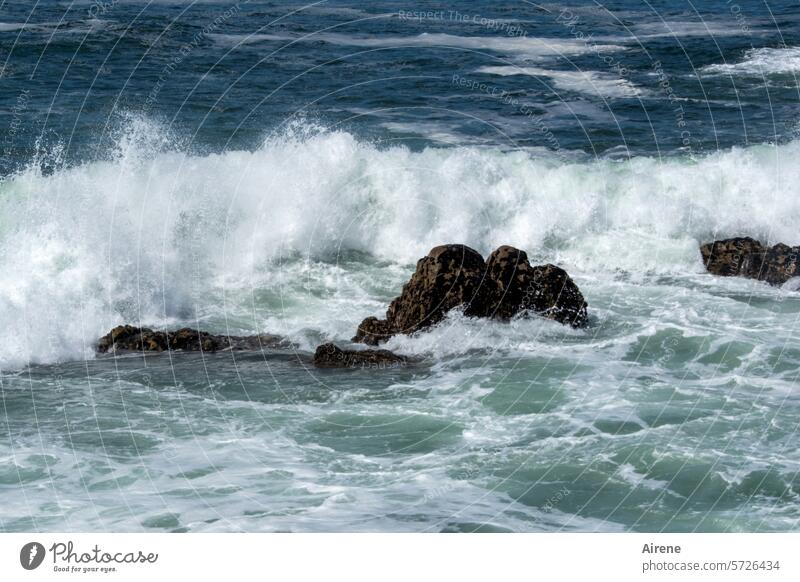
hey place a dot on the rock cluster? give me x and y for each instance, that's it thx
(747, 257)
(453, 276)
(449, 277)
(141, 339)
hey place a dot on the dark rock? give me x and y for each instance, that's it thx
(546, 290)
(372, 331)
(450, 276)
(510, 273)
(141, 339)
(747, 257)
(130, 338)
(780, 264)
(553, 294)
(733, 257)
(332, 356)
(192, 340)
(456, 276)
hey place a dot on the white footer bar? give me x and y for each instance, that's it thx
(402, 557)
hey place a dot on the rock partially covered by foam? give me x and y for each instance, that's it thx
(331, 356)
(128, 338)
(456, 276)
(747, 257)
(372, 331)
(449, 276)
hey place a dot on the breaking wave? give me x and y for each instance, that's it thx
(152, 233)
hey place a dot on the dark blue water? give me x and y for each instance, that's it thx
(273, 167)
(601, 78)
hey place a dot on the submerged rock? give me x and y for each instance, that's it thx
(331, 356)
(141, 339)
(453, 276)
(747, 257)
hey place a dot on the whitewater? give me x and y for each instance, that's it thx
(315, 230)
(151, 234)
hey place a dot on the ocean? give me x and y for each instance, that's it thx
(279, 167)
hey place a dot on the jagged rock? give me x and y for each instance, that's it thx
(747, 257)
(128, 337)
(510, 273)
(781, 264)
(191, 340)
(456, 276)
(142, 339)
(546, 290)
(331, 356)
(450, 276)
(733, 257)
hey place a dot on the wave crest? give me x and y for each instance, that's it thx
(140, 236)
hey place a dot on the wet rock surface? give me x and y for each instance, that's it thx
(747, 257)
(453, 276)
(449, 276)
(331, 356)
(554, 295)
(546, 290)
(128, 338)
(372, 331)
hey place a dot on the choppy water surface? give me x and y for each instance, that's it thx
(256, 167)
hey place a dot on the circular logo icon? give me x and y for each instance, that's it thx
(31, 555)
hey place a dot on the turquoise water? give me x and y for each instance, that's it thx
(273, 182)
(674, 411)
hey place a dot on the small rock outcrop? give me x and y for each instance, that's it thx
(747, 257)
(372, 331)
(546, 290)
(453, 276)
(331, 356)
(128, 338)
(449, 276)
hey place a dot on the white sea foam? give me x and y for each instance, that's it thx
(588, 82)
(531, 48)
(153, 235)
(689, 28)
(761, 61)
(11, 26)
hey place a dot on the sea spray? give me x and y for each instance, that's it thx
(154, 235)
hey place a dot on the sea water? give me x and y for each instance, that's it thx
(261, 168)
